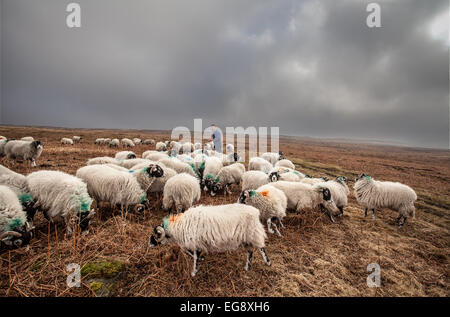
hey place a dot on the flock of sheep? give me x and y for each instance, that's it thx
(180, 172)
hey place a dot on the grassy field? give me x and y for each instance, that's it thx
(313, 258)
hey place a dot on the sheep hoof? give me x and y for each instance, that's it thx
(248, 267)
(193, 273)
(268, 263)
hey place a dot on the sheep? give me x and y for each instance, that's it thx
(127, 143)
(228, 175)
(154, 156)
(114, 143)
(211, 168)
(187, 147)
(285, 163)
(148, 142)
(270, 201)
(2, 147)
(125, 155)
(339, 192)
(60, 195)
(27, 138)
(213, 229)
(179, 166)
(18, 184)
(197, 146)
(24, 150)
(161, 146)
(181, 191)
(229, 148)
(157, 186)
(137, 141)
(128, 164)
(232, 158)
(124, 189)
(303, 196)
(259, 164)
(14, 228)
(106, 141)
(99, 141)
(76, 139)
(285, 174)
(209, 146)
(313, 181)
(372, 194)
(273, 158)
(102, 160)
(254, 180)
(66, 141)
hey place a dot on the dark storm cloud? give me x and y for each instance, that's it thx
(309, 67)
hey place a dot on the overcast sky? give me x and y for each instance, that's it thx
(313, 68)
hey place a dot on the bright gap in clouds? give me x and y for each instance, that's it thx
(439, 28)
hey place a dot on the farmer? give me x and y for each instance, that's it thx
(216, 138)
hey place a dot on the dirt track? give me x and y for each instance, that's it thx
(313, 258)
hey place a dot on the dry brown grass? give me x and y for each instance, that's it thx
(313, 258)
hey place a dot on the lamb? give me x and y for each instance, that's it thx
(14, 228)
(137, 141)
(228, 175)
(374, 194)
(302, 196)
(339, 192)
(271, 203)
(102, 160)
(259, 164)
(254, 180)
(27, 138)
(179, 166)
(181, 191)
(211, 168)
(24, 150)
(161, 146)
(125, 155)
(127, 143)
(285, 163)
(114, 143)
(66, 141)
(77, 139)
(61, 195)
(213, 229)
(18, 184)
(273, 158)
(148, 142)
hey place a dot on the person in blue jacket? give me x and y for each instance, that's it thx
(216, 137)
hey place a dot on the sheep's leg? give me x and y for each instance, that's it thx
(281, 223)
(248, 264)
(194, 269)
(341, 209)
(401, 221)
(269, 224)
(33, 162)
(264, 255)
(365, 212)
(276, 228)
(373, 213)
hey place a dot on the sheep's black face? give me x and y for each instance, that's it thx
(274, 177)
(307, 176)
(214, 188)
(236, 157)
(84, 219)
(281, 156)
(243, 197)
(157, 237)
(155, 171)
(360, 177)
(30, 209)
(208, 183)
(131, 156)
(36, 144)
(326, 194)
(325, 178)
(25, 238)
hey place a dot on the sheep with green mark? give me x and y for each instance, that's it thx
(339, 191)
(227, 176)
(181, 192)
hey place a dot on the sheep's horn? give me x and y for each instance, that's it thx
(162, 234)
(10, 233)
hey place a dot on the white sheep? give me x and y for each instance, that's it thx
(148, 142)
(27, 138)
(137, 141)
(229, 148)
(374, 194)
(228, 175)
(181, 192)
(211, 168)
(99, 141)
(213, 229)
(157, 185)
(259, 164)
(179, 166)
(187, 147)
(270, 201)
(106, 141)
(125, 155)
(254, 179)
(66, 141)
(18, 184)
(285, 163)
(102, 160)
(114, 143)
(24, 150)
(14, 228)
(161, 146)
(339, 192)
(62, 196)
(2, 147)
(303, 196)
(272, 157)
(285, 174)
(127, 143)
(197, 146)
(76, 138)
